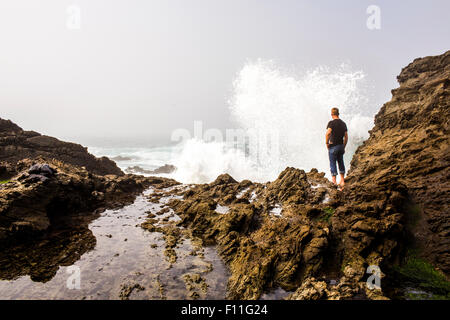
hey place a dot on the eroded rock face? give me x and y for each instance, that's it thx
(410, 144)
(17, 144)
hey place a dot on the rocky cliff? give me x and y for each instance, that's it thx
(410, 144)
(17, 144)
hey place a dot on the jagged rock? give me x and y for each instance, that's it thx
(42, 169)
(291, 186)
(223, 179)
(260, 249)
(410, 143)
(167, 168)
(310, 290)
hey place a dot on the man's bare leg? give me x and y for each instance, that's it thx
(342, 182)
(333, 179)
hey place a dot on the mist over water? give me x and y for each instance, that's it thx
(286, 115)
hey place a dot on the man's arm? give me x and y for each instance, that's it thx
(345, 139)
(327, 136)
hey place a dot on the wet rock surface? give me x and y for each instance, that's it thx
(117, 259)
(41, 257)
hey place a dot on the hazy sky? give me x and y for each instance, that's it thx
(141, 68)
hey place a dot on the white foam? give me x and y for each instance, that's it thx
(288, 111)
(241, 193)
(167, 199)
(253, 197)
(276, 210)
(222, 209)
(297, 107)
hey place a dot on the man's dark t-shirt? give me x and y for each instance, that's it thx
(338, 129)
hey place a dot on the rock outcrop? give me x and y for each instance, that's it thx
(410, 144)
(44, 195)
(167, 168)
(294, 229)
(17, 144)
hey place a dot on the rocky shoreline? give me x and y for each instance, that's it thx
(298, 232)
(313, 237)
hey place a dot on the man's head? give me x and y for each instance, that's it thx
(334, 112)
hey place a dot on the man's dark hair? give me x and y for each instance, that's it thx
(335, 111)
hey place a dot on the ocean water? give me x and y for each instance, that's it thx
(148, 158)
(280, 119)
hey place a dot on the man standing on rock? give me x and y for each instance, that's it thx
(336, 139)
